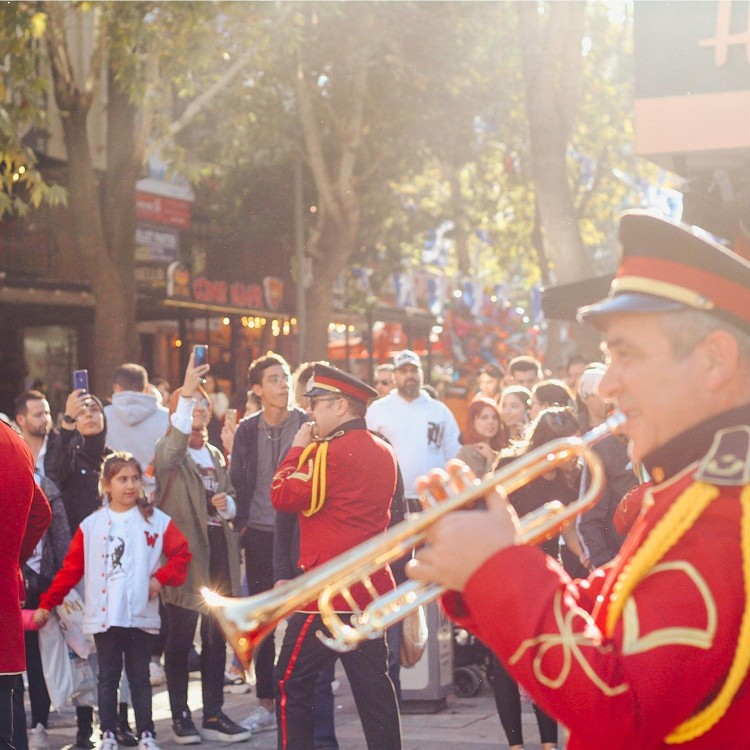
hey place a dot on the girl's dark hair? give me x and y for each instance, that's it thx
(553, 392)
(553, 423)
(112, 465)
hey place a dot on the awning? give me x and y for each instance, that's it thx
(205, 308)
(562, 301)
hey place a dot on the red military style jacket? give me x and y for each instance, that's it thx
(26, 516)
(660, 639)
(359, 483)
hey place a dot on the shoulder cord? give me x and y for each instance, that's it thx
(676, 522)
(318, 479)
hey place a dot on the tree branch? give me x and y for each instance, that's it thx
(203, 100)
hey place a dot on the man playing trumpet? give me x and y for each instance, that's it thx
(340, 478)
(653, 651)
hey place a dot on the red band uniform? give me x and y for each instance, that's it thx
(342, 486)
(653, 651)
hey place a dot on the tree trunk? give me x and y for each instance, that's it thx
(551, 72)
(330, 253)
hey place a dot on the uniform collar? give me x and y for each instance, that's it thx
(690, 446)
(352, 424)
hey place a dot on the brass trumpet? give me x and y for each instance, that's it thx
(247, 621)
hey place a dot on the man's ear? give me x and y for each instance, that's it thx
(721, 352)
(257, 390)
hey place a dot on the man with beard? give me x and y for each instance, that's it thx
(34, 419)
(421, 429)
(424, 434)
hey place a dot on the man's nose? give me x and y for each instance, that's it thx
(607, 388)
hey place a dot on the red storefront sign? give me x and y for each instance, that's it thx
(162, 210)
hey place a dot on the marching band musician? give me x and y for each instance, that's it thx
(341, 479)
(653, 651)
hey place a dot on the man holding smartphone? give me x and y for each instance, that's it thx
(135, 418)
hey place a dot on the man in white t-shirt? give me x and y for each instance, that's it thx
(424, 434)
(422, 430)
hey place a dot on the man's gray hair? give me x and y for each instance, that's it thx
(685, 329)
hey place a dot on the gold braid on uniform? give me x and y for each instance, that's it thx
(318, 475)
(676, 522)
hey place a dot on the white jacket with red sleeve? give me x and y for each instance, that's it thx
(155, 537)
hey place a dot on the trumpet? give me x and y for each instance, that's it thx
(247, 621)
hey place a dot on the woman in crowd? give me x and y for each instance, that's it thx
(514, 412)
(560, 484)
(482, 438)
(193, 488)
(548, 393)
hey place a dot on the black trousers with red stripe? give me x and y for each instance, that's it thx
(301, 659)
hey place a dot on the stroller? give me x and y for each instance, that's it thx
(470, 661)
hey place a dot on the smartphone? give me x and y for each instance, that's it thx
(81, 380)
(200, 355)
(230, 417)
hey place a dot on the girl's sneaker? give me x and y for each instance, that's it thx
(108, 741)
(147, 742)
(234, 681)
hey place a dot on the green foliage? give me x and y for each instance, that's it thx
(442, 136)
(21, 111)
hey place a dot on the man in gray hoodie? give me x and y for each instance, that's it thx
(135, 418)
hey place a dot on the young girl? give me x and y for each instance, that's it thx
(117, 550)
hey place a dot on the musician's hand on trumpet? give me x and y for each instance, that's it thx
(459, 543)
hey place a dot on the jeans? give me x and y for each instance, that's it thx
(135, 645)
(181, 624)
(258, 549)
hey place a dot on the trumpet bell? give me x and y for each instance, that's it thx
(243, 634)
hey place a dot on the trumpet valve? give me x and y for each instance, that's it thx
(434, 488)
(461, 476)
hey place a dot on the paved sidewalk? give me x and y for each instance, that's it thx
(470, 723)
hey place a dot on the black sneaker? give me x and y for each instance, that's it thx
(84, 741)
(222, 728)
(185, 732)
(124, 735)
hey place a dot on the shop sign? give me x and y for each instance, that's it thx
(267, 295)
(246, 295)
(178, 281)
(273, 289)
(156, 244)
(221, 292)
(162, 210)
(151, 275)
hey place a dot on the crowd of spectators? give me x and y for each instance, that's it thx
(211, 473)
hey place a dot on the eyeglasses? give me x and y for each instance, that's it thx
(277, 379)
(314, 400)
